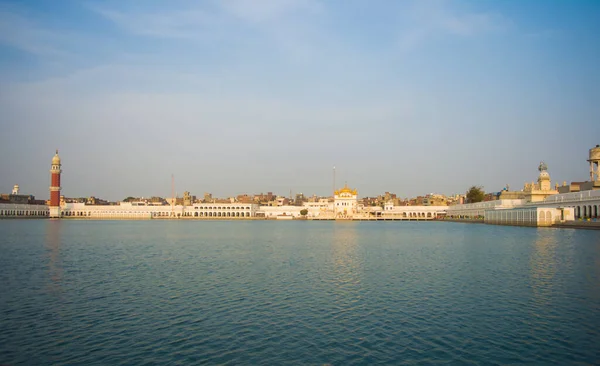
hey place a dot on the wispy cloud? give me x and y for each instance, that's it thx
(427, 19)
(284, 25)
(184, 24)
(19, 32)
(197, 20)
(268, 10)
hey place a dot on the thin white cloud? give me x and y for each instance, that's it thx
(21, 33)
(426, 19)
(200, 20)
(268, 10)
(182, 24)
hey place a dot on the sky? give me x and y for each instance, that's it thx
(250, 96)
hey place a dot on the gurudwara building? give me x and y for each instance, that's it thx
(345, 202)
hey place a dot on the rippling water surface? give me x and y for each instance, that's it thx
(262, 292)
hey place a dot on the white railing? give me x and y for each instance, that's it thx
(573, 197)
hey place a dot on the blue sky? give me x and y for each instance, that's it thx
(249, 96)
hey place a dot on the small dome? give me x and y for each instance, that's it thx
(56, 159)
(544, 175)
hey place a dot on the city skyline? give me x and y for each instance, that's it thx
(248, 97)
(292, 194)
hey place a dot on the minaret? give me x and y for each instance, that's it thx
(55, 186)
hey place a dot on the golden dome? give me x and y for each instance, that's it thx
(56, 159)
(346, 190)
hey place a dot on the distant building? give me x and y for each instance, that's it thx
(16, 198)
(20, 199)
(96, 201)
(188, 199)
(492, 196)
(435, 200)
(244, 198)
(299, 200)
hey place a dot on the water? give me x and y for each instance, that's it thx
(258, 292)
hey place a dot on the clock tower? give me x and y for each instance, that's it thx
(55, 171)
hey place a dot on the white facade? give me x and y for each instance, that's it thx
(584, 204)
(23, 210)
(475, 210)
(528, 216)
(281, 212)
(126, 210)
(345, 202)
(413, 212)
(553, 209)
(221, 210)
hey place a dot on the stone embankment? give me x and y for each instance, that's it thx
(591, 225)
(469, 221)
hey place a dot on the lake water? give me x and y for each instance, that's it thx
(298, 292)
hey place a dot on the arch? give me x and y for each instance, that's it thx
(596, 211)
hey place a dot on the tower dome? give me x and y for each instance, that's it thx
(544, 175)
(56, 159)
(544, 182)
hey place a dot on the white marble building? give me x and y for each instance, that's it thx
(127, 210)
(23, 210)
(413, 212)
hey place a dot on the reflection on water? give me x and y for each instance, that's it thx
(347, 263)
(53, 240)
(543, 265)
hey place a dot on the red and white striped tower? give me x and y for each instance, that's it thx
(55, 186)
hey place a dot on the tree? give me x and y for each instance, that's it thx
(304, 212)
(475, 194)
